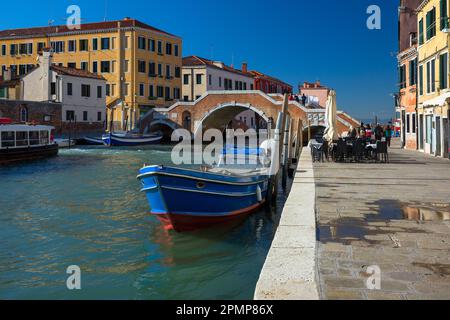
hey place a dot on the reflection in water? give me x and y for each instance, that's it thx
(84, 208)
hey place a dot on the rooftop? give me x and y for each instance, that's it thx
(62, 29)
(265, 76)
(75, 72)
(194, 61)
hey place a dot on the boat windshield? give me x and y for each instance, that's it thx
(247, 158)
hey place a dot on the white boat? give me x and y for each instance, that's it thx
(65, 143)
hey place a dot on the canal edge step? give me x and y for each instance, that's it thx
(289, 272)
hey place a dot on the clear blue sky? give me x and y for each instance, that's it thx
(294, 40)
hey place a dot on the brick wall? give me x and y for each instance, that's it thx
(45, 113)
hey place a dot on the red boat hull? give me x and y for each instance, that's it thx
(185, 222)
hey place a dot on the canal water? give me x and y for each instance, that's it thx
(84, 208)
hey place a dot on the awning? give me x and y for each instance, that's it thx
(438, 101)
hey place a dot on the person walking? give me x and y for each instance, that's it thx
(303, 100)
(388, 134)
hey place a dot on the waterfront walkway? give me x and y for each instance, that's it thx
(386, 215)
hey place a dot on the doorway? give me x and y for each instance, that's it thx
(438, 137)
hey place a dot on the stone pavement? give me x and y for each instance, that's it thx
(394, 216)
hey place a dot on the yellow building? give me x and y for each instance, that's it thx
(433, 74)
(142, 64)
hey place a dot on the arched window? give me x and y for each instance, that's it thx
(187, 120)
(24, 114)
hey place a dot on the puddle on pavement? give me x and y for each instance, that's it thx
(396, 210)
(346, 230)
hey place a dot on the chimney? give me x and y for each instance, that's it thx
(45, 61)
(244, 67)
(317, 83)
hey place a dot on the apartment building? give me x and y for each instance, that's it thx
(407, 67)
(433, 77)
(141, 64)
(201, 75)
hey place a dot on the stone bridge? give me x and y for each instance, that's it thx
(215, 109)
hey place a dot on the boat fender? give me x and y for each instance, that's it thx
(259, 194)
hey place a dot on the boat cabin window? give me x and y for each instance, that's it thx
(21, 138)
(34, 138)
(8, 139)
(44, 137)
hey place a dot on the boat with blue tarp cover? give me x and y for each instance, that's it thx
(185, 199)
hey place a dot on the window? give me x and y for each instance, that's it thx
(444, 17)
(413, 123)
(160, 47)
(99, 116)
(177, 72)
(141, 66)
(84, 45)
(85, 90)
(412, 72)
(185, 79)
(85, 115)
(168, 72)
(176, 93)
(199, 79)
(168, 48)
(22, 138)
(421, 80)
(70, 115)
(105, 43)
(69, 89)
(431, 85)
(160, 69)
(57, 46)
(443, 71)
(3, 93)
(13, 49)
(105, 67)
(160, 91)
(99, 92)
(151, 45)
(151, 94)
(71, 46)
(236, 85)
(72, 65)
(84, 65)
(3, 49)
(126, 42)
(95, 44)
(108, 90)
(186, 98)
(151, 69)
(23, 48)
(125, 89)
(141, 90)
(41, 46)
(95, 67)
(22, 69)
(431, 23)
(33, 138)
(24, 114)
(53, 88)
(8, 138)
(408, 123)
(126, 66)
(176, 50)
(167, 94)
(141, 43)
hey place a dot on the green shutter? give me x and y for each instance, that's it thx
(444, 20)
(420, 32)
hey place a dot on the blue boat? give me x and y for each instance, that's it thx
(186, 200)
(130, 139)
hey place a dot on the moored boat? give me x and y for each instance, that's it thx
(185, 199)
(21, 142)
(92, 141)
(130, 139)
(65, 143)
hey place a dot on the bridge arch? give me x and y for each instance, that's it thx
(223, 114)
(164, 126)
